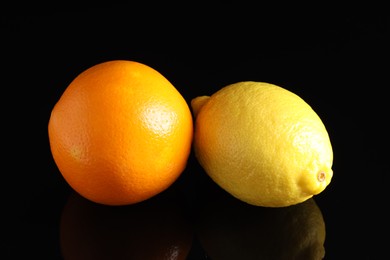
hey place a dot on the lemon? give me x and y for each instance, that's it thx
(262, 143)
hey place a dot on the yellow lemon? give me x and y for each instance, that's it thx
(262, 143)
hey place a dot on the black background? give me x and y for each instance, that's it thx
(334, 57)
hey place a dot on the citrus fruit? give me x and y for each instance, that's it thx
(152, 229)
(230, 229)
(262, 143)
(120, 133)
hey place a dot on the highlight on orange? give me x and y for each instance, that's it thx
(120, 133)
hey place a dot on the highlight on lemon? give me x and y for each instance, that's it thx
(120, 133)
(262, 143)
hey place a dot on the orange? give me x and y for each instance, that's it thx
(120, 133)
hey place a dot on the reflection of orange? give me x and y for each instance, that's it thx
(120, 133)
(153, 229)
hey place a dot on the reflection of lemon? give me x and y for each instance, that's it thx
(262, 143)
(230, 229)
(154, 229)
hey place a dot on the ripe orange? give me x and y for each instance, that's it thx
(120, 133)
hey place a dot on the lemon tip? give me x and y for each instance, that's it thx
(197, 103)
(321, 176)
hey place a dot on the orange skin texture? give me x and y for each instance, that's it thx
(120, 133)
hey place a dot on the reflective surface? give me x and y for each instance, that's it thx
(333, 57)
